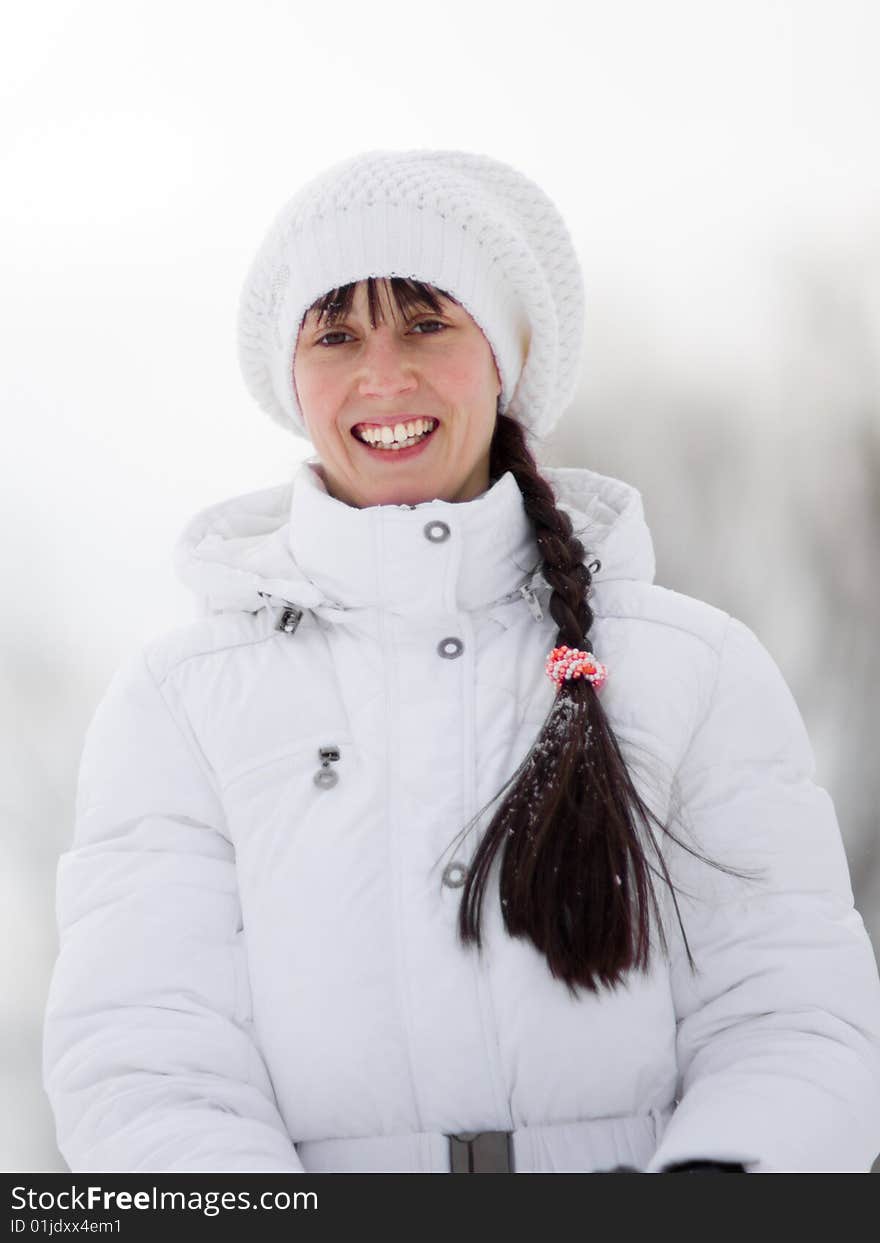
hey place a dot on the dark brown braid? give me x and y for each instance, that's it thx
(575, 879)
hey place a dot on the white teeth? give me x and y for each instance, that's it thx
(402, 434)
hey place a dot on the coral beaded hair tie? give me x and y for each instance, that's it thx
(565, 662)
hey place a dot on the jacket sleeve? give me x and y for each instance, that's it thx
(148, 1057)
(778, 1031)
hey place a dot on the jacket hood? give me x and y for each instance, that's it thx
(295, 544)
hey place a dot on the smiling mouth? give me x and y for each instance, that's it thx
(392, 439)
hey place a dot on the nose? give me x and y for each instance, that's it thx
(384, 369)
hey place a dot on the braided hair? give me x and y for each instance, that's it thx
(574, 876)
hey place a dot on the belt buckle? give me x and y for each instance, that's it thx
(481, 1152)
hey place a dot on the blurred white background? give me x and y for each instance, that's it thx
(716, 163)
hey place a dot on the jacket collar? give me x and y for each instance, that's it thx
(296, 544)
(383, 557)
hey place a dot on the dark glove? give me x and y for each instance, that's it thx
(689, 1167)
(705, 1167)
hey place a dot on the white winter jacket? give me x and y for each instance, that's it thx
(262, 972)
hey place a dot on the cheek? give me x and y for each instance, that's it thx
(301, 376)
(314, 392)
(471, 375)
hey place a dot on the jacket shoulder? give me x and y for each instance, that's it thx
(664, 650)
(207, 636)
(652, 605)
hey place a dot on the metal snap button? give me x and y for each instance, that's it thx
(450, 647)
(289, 620)
(326, 777)
(454, 875)
(436, 532)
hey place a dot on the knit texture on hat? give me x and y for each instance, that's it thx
(463, 222)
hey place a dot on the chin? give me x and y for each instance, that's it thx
(404, 496)
(413, 491)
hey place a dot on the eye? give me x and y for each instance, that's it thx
(339, 333)
(429, 323)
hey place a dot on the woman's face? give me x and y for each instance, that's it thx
(356, 383)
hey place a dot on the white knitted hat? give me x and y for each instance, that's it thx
(465, 223)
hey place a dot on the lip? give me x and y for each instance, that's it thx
(395, 455)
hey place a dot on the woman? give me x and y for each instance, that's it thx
(446, 840)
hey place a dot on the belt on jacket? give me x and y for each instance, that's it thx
(481, 1152)
(564, 1147)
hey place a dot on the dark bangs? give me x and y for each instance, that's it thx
(409, 295)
